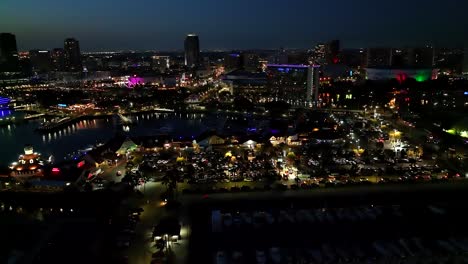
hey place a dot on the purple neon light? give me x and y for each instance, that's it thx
(135, 80)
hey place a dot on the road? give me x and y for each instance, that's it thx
(141, 248)
(110, 172)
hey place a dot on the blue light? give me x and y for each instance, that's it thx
(62, 105)
(5, 113)
(465, 93)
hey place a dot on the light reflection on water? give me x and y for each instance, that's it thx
(85, 133)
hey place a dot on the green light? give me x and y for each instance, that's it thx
(420, 77)
(451, 131)
(464, 134)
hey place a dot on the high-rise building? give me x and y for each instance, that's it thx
(379, 57)
(192, 50)
(354, 58)
(332, 49)
(422, 57)
(250, 61)
(296, 83)
(40, 60)
(449, 59)
(232, 60)
(413, 57)
(8, 53)
(313, 85)
(58, 59)
(318, 54)
(400, 58)
(281, 57)
(161, 63)
(72, 54)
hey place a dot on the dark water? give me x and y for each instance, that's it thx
(85, 133)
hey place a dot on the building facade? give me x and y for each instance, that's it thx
(58, 59)
(8, 53)
(40, 61)
(294, 83)
(192, 50)
(332, 50)
(161, 63)
(72, 54)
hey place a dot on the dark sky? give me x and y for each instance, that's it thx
(229, 24)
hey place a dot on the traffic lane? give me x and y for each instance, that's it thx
(141, 249)
(110, 173)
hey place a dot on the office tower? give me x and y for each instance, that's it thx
(318, 54)
(281, 57)
(40, 60)
(232, 61)
(313, 85)
(58, 59)
(422, 57)
(72, 54)
(413, 57)
(379, 57)
(354, 58)
(160, 63)
(449, 59)
(295, 83)
(250, 61)
(192, 50)
(332, 49)
(8, 53)
(400, 57)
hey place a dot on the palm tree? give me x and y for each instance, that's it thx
(170, 180)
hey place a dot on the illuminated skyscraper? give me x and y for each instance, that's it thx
(313, 85)
(318, 54)
(72, 54)
(8, 53)
(296, 83)
(192, 50)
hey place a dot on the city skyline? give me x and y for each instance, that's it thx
(163, 26)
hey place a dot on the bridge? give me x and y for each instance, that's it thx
(125, 120)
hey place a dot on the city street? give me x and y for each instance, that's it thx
(142, 247)
(109, 173)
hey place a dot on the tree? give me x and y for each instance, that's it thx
(291, 156)
(170, 180)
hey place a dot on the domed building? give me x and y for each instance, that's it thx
(29, 164)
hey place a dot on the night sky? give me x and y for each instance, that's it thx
(229, 24)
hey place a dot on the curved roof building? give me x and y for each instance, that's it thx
(401, 74)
